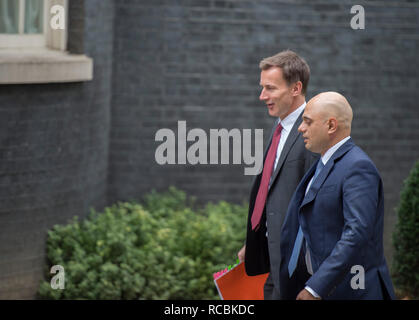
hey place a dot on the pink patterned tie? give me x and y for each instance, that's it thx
(266, 176)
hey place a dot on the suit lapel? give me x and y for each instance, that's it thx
(316, 184)
(292, 136)
(298, 197)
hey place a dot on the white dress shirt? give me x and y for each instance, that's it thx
(328, 154)
(287, 125)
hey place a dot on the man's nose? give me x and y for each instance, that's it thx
(300, 128)
(262, 96)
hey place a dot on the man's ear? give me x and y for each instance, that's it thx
(296, 89)
(332, 125)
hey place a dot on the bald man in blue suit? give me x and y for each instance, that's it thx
(332, 236)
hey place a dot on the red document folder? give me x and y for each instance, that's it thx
(235, 284)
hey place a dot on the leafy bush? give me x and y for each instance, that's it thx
(406, 237)
(163, 249)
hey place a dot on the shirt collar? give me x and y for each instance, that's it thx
(329, 153)
(289, 120)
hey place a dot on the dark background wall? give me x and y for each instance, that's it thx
(54, 153)
(67, 147)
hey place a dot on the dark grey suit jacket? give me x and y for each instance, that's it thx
(263, 253)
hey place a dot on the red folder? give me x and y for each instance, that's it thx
(235, 284)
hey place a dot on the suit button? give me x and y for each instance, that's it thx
(271, 213)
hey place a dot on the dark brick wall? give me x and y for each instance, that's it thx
(198, 61)
(67, 147)
(53, 152)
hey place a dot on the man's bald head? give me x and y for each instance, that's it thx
(327, 120)
(333, 104)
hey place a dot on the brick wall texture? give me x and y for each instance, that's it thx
(68, 147)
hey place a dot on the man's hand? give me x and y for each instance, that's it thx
(242, 253)
(305, 295)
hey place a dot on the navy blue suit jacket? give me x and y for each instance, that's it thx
(342, 220)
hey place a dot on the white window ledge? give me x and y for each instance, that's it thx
(43, 66)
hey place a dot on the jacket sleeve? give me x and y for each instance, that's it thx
(360, 201)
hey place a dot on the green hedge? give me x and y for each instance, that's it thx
(161, 249)
(406, 238)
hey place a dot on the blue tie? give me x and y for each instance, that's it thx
(299, 240)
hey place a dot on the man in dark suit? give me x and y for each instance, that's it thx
(284, 79)
(338, 210)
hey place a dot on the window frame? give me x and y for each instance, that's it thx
(52, 39)
(50, 63)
